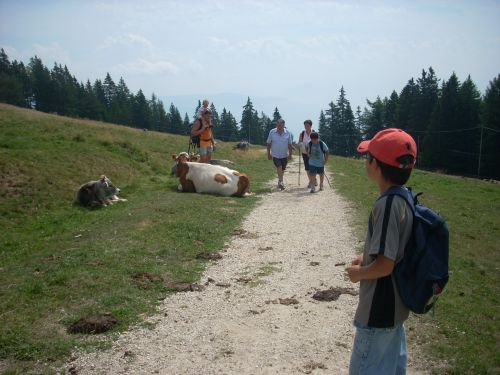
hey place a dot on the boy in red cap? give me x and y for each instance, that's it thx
(380, 339)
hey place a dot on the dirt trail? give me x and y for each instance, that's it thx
(256, 314)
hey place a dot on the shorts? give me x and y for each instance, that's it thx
(305, 157)
(316, 170)
(280, 161)
(205, 150)
(378, 351)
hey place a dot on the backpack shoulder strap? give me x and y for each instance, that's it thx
(403, 192)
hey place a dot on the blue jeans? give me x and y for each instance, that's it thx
(378, 351)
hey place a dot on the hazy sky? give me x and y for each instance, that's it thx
(297, 53)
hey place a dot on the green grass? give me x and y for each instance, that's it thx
(464, 331)
(59, 262)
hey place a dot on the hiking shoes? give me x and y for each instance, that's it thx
(281, 185)
(313, 190)
(321, 187)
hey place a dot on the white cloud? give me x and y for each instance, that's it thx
(142, 66)
(52, 52)
(126, 40)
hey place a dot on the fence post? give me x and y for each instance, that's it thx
(480, 151)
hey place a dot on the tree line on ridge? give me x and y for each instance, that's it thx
(456, 128)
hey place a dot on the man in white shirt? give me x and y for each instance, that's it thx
(279, 149)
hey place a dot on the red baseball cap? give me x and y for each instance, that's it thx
(389, 145)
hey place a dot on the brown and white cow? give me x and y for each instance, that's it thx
(213, 179)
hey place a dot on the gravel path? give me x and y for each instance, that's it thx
(256, 314)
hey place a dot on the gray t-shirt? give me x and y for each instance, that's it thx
(389, 229)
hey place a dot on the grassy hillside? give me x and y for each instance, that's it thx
(59, 262)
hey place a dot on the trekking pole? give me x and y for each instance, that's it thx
(327, 179)
(299, 165)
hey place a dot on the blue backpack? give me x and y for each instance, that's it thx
(422, 273)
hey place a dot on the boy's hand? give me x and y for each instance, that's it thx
(353, 273)
(357, 261)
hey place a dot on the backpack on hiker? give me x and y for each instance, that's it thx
(194, 140)
(422, 273)
(320, 146)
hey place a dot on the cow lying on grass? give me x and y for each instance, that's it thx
(194, 157)
(98, 193)
(243, 146)
(207, 178)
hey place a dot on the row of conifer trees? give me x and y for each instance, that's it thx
(456, 128)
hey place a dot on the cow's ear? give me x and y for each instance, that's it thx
(103, 178)
(195, 158)
(174, 156)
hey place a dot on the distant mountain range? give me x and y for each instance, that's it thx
(292, 112)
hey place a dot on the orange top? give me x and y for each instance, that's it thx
(206, 137)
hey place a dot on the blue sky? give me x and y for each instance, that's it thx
(292, 54)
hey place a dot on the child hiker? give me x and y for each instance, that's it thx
(318, 156)
(380, 339)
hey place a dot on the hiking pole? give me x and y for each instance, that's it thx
(327, 180)
(299, 165)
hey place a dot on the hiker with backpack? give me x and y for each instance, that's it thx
(304, 139)
(317, 151)
(201, 135)
(380, 338)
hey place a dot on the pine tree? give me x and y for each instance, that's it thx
(215, 121)
(99, 95)
(326, 131)
(175, 121)
(11, 87)
(489, 164)
(428, 93)
(229, 127)
(437, 144)
(186, 124)
(141, 114)
(121, 104)
(344, 137)
(42, 85)
(391, 110)
(195, 116)
(247, 121)
(375, 118)
(158, 115)
(407, 107)
(466, 142)
(90, 108)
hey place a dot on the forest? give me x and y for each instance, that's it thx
(457, 129)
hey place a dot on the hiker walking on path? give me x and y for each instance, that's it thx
(202, 128)
(279, 149)
(318, 157)
(304, 139)
(380, 338)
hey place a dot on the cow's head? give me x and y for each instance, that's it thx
(182, 157)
